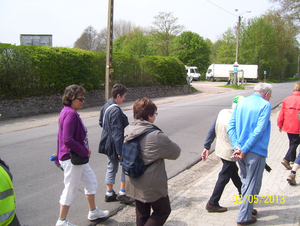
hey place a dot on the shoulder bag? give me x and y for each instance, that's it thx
(76, 160)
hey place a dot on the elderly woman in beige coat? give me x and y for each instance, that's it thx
(151, 189)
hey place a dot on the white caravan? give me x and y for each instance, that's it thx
(192, 73)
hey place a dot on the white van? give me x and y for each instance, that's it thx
(192, 73)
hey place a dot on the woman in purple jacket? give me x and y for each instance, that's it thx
(72, 136)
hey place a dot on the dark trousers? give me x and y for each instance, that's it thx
(294, 142)
(228, 171)
(15, 222)
(161, 211)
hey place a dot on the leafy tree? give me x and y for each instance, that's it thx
(214, 50)
(118, 45)
(227, 48)
(258, 46)
(165, 29)
(288, 51)
(192, 50)
(134, 42)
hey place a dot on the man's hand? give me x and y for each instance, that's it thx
(280, 129)
(205, 154)
(238, 154)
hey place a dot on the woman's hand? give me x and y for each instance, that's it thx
(90, 152)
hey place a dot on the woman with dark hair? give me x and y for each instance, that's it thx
(72, 136)
(151, 189)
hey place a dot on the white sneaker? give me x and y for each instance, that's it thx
(63, 223)
(95, 214)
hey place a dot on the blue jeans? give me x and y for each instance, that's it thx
(298, 159)
(251, 172)
(112, 169)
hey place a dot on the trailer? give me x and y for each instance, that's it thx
(223, 71)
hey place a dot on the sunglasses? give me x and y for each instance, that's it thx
(81, 99)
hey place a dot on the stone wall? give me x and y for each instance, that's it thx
(49, 104)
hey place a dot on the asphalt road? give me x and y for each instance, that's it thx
(38, 183)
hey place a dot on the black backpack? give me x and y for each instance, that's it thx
(132, 162)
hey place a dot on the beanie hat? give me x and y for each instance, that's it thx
(235, 100)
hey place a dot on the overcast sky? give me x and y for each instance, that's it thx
(67, 19)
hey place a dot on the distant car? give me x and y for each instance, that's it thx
(192, 73)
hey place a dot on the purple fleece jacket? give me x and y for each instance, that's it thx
(71, 135)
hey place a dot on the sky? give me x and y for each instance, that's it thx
(67, 19)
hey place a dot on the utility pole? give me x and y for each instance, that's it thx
(237, 47)
(109, 46)
(237, 52)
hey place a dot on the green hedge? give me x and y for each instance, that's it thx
(164, 70)
(39, 70)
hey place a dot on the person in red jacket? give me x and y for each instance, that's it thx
(288, 121)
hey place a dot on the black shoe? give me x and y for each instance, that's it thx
(124, 199)
(111, 198)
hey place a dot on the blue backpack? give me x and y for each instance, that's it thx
(132, 162)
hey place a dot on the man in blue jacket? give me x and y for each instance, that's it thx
(113, 121)
(249, 131)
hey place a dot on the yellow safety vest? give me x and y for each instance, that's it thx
(7, 198)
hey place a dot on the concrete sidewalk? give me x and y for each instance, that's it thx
(190, 190)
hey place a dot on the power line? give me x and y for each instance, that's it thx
(222, 8)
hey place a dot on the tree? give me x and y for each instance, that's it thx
(134, 42)
(101, 41)
(90, 39)
(118, 45)
(290, 8)
(258, 45)
(192, 50)
(164, 31)
(227, 48)
(87, 40)
(288, 47)
(214, 50)
(122, 27)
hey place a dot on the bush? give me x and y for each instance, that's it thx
(163, 70)
(40, 70)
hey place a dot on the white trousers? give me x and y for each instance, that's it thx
(73, 175)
